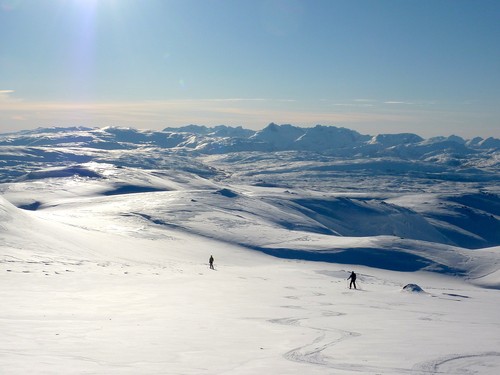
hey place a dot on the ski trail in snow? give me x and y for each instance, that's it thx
(484, 363)
(316, 351)
(312, 353)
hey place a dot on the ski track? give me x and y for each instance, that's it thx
(313, 353)
(460, 363)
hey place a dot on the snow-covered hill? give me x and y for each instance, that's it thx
(328, 140)
(329, 194)
(105, 235)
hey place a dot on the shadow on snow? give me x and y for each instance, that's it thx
(370, 257)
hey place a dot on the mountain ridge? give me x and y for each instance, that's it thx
(320, 138)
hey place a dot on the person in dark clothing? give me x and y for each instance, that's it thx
(353, 280)
(211, 262)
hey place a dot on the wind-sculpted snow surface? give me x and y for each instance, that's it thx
(339, 228)
(105, 236)
(311, 191)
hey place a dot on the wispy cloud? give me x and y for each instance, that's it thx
(366, 117)
(5, 94)
(366, 100)
(355, 103)
(236, 100)
(398, 102)
(253, 113)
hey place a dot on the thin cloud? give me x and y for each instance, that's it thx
(247, 100)
(355, 104)
(396, 102)
(252, 114)
(5, 94)
(162, 113)
(365, 100)
(235, 100)
(344, 104)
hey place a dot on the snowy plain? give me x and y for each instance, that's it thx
(105, 241)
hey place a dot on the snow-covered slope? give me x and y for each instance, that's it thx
(105, 236)
(118, 284)
(332, 195)
(275, 220)
(105, 272)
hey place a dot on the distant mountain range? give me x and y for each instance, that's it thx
(332, 149)
(332, 181)
(330, 140)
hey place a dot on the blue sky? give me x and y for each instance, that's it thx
(430, 67)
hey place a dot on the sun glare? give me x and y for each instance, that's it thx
(90, 3)
(93, 4)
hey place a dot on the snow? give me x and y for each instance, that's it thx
(104, 259)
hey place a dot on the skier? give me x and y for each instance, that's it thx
(353, 280)
(211, 262)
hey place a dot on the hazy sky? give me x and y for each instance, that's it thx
(430, 67)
